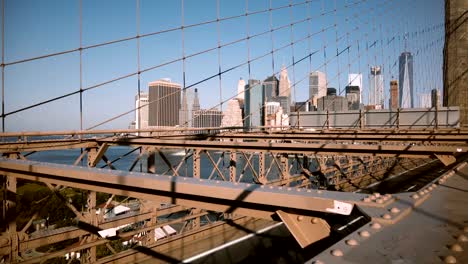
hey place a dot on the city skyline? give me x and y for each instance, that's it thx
(28, 33)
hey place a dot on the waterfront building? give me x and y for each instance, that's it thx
(164, 97)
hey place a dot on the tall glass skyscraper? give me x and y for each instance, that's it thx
(254, 99)
(406, 88)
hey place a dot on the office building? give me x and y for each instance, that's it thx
(332, 103)
(274, 116)
(394, 99)
(232, 116)
(240, 89)
(284, 103)
(376, 87)
(253, 104)
(186, 108)
(355, 79)
(207, 118)
(196, 101)
(271, 86)
(406, 80)
(284, 83)
(141, 113)
(164, 97)
(353, 95)
(317, 86)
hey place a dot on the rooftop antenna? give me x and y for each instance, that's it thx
(406, 40)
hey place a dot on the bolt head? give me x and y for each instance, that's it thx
(450, 259)
(364, 233)
(337, 253)
(415, 196)
(456, 248)
(387, 216)
(395, 210)
(376, 226)
(352, 242)
(462, 238)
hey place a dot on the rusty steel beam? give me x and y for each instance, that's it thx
(41, 145)
(70, 233)
(407, 150)
(237, 198)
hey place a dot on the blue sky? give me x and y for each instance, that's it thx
(36, 28)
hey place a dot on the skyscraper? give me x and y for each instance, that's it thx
(355, 79)
(240, 89)
(270, 85)
(164, 97)
(317, 86)
(284, 84)
(376, 85)
(254, 99)
(185, 115)
(394, 94)
(196, 101)
(406, 80)
(141, 114)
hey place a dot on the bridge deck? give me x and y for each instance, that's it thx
(426, 235)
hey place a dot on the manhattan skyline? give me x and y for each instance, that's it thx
(375, 37)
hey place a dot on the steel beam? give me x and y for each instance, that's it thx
(244, 199)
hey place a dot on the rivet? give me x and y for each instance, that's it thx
(434, 185)
(271, 187)
(289, 189)
(456, 248)
(318, 262)
(387, 216)
(379, 201)
(352, 242)
(298, 190)
(372, 197)
(366, 200)
(462, 238)
(300, 218)
(430, 188)
(450, 259)
(364, 233)
(309, 192)
(337, 253)
(262, 186)
(280, 188)
(314, 220)
(376, 194)
(441, 181)
(319, 191)
(217, 181)
(395, 210)
(421, 193)
(415, 196)
(376, 226)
